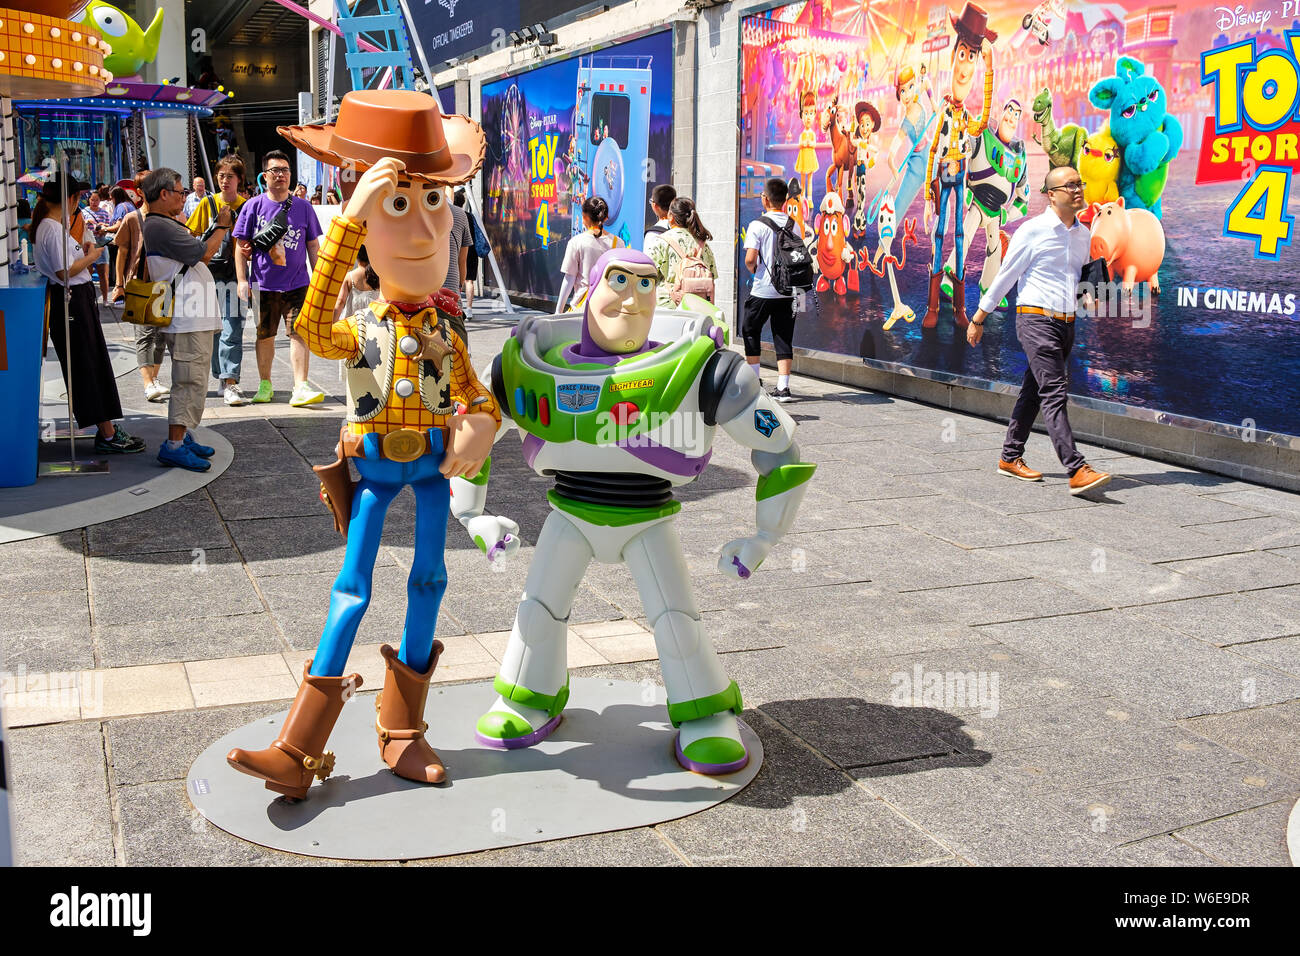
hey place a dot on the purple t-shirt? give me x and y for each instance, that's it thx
(303, 228)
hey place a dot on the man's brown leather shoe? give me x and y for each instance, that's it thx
(1018, 469)
(1087, 478)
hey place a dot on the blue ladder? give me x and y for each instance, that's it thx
(385, 30)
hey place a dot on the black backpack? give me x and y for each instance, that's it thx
(793, 268)
(656, 230)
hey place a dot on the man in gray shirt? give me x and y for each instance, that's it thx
(170, 250)
(461, 239)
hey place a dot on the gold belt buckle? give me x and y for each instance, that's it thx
(405, 444)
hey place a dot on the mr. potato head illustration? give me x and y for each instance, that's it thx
(835, 257)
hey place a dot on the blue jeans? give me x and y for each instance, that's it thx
(381, 481)
(228, 344)
(950, 191)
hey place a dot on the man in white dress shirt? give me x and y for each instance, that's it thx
(1044, 261)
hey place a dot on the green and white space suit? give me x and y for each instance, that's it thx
(618, 434)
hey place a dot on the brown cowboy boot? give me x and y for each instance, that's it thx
(959, 302)
(932, 306)
(299, 752)
(400, 720)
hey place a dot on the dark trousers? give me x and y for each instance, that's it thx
(94, 390)
(759, 312)
(1047, 343)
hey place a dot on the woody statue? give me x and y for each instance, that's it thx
(951, 148)
(417, 415)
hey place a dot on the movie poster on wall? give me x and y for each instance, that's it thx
(1180, 117)
(598, 124)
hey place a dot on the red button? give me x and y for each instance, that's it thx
(544, 410)
(625, 413)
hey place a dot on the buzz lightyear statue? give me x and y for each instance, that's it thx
(621, 405)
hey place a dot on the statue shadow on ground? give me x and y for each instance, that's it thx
(861, 738)
(514, 490)
(613, 761)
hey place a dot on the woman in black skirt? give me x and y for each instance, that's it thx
(94, 391)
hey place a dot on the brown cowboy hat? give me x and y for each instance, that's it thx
(403, 124)
(973, 25)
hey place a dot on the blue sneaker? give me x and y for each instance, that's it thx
(183, 457)
(203, 451)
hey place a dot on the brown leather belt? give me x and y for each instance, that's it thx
(403, 444)
(1035, 310)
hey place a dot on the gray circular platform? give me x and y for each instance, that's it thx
(133, 484)
(608, 766)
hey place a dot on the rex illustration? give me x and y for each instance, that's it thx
(620, 406)
(407, 371)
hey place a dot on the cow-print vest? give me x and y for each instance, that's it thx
(370, 373)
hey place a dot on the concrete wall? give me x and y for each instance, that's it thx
(1227, 450)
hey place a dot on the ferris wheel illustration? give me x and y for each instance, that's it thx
(872, 20)
(515, 178)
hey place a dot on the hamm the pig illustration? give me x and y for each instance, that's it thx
(1131, 241)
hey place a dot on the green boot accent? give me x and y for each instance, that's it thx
(502, 726)
(728, 699)
(265, 392)
(553, 704)
(718, 751)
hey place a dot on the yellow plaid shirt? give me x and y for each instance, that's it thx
(338, 340)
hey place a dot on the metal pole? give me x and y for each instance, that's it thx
(329, 78)
(326, 174)
(415, 42)
(67, 304)
(203, 151)
(6, 188)
(144, 129)
(469, 193)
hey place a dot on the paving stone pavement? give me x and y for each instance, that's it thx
(945, 668)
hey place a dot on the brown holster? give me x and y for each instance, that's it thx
(336, 486)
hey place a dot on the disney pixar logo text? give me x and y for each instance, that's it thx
(1239, 16)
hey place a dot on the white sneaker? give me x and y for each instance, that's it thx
(156, 391)
(235, 396)
(304, 394)
(469, 313)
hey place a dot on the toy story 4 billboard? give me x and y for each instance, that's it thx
(918, 138)
(598, 124)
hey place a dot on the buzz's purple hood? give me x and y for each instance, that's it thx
(587, 348)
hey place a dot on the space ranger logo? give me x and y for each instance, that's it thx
(577, 397)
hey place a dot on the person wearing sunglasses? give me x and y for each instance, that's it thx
(276, 239)
(1044, 262)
